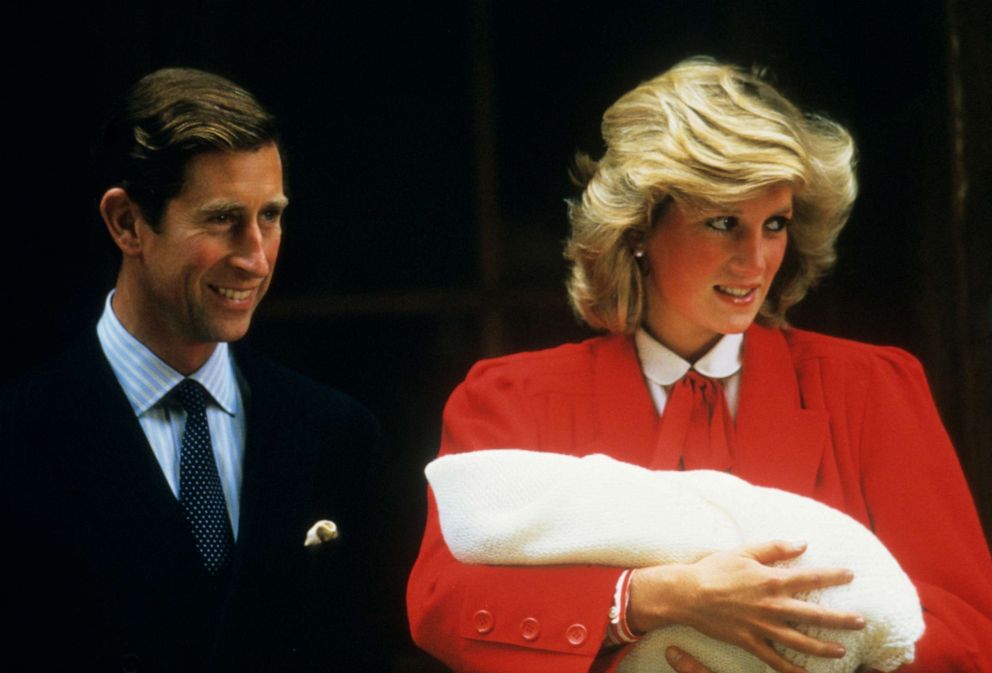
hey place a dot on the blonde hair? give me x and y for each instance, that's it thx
(703, 135)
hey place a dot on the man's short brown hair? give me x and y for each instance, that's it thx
(167, 118)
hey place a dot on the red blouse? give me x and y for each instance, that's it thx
(849, 424)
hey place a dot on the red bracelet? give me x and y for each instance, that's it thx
(618, 630)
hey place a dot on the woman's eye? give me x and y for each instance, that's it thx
(777, 224)
(722, 223)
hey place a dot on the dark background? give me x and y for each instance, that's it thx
(429, 145)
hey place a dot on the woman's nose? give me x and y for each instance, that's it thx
(749, 252)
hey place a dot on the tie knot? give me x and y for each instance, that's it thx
(702, 385)
(191, 395)
(699, 381)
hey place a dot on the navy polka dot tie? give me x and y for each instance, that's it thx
(200, 492)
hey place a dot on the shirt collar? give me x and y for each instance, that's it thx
(146, 379)
(664, 367)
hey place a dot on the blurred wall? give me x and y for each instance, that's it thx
(428, 148)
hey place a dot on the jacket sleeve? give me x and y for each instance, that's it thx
(487, 618)
(921, 508)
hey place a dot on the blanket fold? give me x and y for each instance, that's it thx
(514, 507)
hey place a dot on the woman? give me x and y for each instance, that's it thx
(714, 209)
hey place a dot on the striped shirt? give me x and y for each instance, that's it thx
(146, 380)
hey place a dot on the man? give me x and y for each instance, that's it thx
(158, 485)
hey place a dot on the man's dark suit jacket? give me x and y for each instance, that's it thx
(101, 569)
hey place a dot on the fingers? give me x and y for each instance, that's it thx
(797, 611)
(740, 597)
(796, 580)
(767, 553)
(800, 642)
(768, 654)
(802, 612)
(801, 580)
(682, 662)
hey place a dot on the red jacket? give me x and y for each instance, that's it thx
(849, 424)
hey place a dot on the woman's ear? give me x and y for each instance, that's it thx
(121, 215)
(635, 240)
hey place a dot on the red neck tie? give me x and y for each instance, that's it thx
(697, 431)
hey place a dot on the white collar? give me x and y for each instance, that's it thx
(664, 367)
(146, 379)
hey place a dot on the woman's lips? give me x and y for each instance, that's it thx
(737, 294)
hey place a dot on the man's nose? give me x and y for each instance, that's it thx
(250, 253)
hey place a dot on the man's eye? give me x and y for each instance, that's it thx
(271, 215)
(221, 218)
(777, 224)
(722, 223)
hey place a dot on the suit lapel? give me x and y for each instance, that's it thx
(255, 472)
(275, 469)
(110, 464)
(780, 444)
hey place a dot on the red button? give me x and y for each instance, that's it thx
(483, 620)
(576, 634)
(530, 628)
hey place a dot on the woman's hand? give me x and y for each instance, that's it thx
(682, 662)
(739, 598)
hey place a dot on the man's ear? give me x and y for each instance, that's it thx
(122, 215)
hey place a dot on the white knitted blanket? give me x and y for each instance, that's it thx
(512, 507)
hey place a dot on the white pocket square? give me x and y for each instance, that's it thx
(323, 531)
